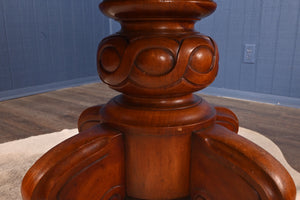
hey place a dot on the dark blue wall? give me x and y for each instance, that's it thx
(47, 41)
(274, 27)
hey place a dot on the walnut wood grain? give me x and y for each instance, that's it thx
(89, 165)
(237, 167)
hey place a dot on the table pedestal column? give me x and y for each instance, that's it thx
(157, 140)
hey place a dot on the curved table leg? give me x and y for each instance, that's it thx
(228, 166)
(227, 118)
(89, 118)
(89, 166)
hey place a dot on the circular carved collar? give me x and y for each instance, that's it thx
(122, 10)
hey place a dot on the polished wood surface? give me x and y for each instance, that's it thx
(83, 161)
(225, 159)
(157, 140)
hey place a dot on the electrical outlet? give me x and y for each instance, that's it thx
(249, 53)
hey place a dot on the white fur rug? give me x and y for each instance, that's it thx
(17, 157)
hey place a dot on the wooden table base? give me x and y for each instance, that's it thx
(157, 140)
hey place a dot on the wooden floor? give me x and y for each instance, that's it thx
(57, 110)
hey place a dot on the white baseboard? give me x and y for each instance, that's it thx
(252, 96)
(12, 94)
(221, 92)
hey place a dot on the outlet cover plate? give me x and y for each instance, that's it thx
(249, 53)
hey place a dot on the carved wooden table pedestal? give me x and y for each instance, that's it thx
(157, 140)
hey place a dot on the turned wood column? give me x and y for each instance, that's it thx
(157, 60)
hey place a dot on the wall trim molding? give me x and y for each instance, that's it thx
(252, 96)
(214, 91)
(21, 92)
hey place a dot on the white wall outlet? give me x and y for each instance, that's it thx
(249, 53)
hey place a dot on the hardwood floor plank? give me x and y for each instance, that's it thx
(57, 110)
